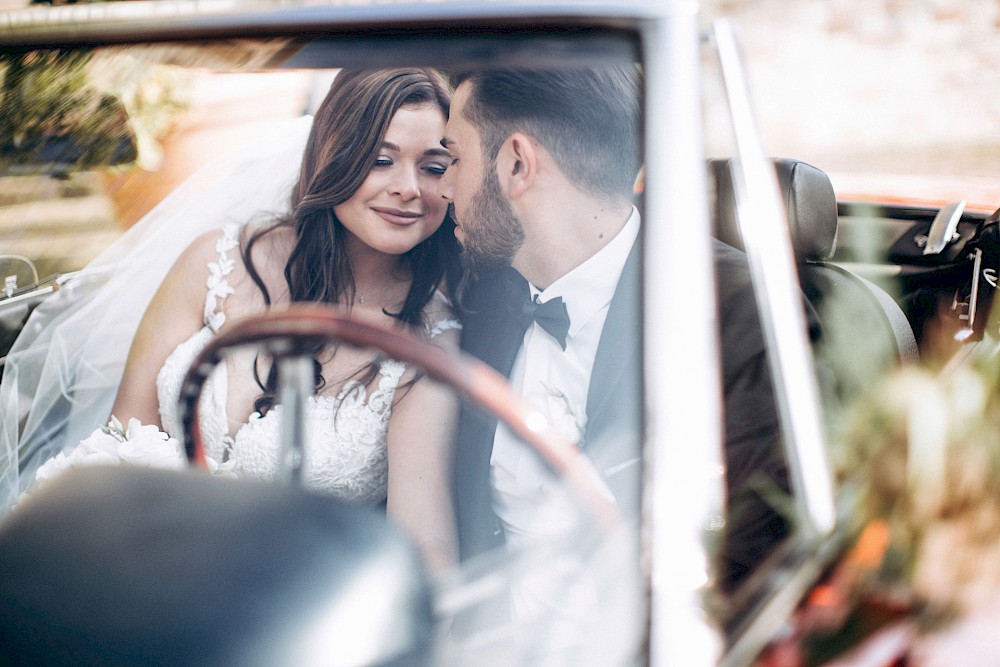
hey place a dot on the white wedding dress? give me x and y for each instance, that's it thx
(346, 433)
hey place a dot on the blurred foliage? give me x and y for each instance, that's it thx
(153, 94)
(62, 110)
(923, 457)
(50, 115)
(919, 470)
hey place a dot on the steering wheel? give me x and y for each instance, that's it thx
(288, 335)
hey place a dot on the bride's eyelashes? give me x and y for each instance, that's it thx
(434, 168)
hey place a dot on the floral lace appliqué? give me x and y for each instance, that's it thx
(214, 424)
(346, 440)
(437, 328)
(218, 274)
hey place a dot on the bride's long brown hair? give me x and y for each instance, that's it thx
(344, 142)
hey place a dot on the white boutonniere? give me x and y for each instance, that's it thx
(566, 417)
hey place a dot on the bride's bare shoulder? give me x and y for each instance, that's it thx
(270, 247)
(229, 245)
(212, 256)
(190, 269)
(203, 250)
(268, 254)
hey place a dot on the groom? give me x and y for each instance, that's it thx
(541, 183)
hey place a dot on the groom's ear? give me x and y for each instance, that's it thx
(517, 164)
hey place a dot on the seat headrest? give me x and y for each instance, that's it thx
(810, 203)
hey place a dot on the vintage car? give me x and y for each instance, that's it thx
(107, 107)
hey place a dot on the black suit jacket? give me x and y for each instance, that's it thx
(493, 332)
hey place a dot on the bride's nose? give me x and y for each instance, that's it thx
(405, 184)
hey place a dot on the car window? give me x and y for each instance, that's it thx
(102, 144)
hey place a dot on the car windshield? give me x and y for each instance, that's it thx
(124, 152)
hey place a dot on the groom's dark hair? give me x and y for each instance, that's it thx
(588, 118)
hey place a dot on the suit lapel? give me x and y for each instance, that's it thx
(613, 438)
(617, 358)
(492, 332)
(494, 328)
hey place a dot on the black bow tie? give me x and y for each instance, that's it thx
(551, 316)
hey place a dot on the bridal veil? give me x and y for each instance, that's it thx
(62, 374)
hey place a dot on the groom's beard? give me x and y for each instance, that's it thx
(493, 233)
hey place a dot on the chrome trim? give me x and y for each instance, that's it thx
(787, 587)
(977, 267)
(765, 234)
(10, 282)
(969, 306)
(769, 251)
(683, 432)
(430, 33)
(26, 299)
(190, 19)
(944, 227)
(296, 383)
(871, 270)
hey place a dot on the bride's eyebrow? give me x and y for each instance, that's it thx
(436, 152)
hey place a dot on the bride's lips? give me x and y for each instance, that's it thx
(397, 216)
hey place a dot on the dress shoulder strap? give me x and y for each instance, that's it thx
(218, 277)
(441, 315)
(435, 329)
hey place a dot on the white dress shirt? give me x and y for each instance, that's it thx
(525, 496)
(560, 594)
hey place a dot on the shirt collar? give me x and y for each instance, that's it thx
(589, 287)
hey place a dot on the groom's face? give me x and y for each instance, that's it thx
(486, 224)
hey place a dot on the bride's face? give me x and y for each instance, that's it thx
(399, 204)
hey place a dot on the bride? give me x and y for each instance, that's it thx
(366, 230)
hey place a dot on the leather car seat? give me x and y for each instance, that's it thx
(129, 566)
(863, 330)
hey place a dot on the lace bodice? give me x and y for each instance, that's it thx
(346, 434)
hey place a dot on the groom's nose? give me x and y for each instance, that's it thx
(446, 186)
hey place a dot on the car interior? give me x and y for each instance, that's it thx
(859, 315)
